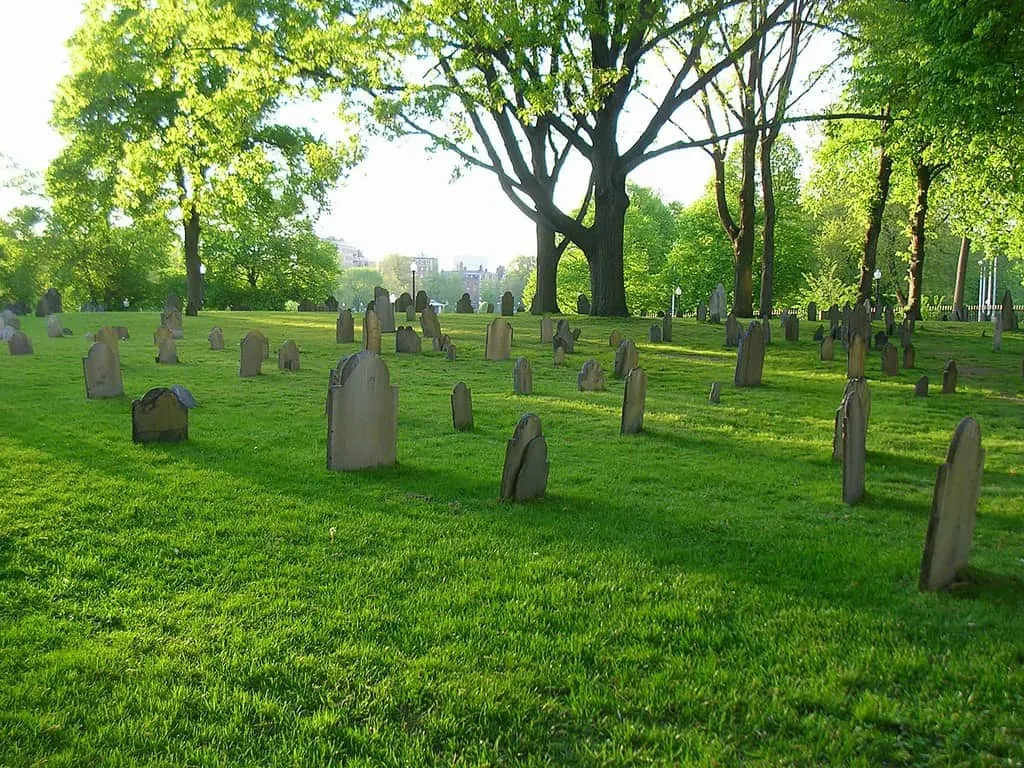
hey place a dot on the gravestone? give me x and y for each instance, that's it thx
(715, 395)
(422, 300)
(498, 340)
(385, 311)
(702, 312)
(906, 332)
(404, 302)
(716, 304)
(288, 357)
(54, 330)
(856, 357)
(450, 353)
(547, 330)
(666, 327)
(854, 428)
(345, 328)
(750, 357)
(173, 301)
(167, 352)
(591, 377)
(997, 334)
(524, 474)
(331, 305)
(462, 408)
(921, 388)
(306, 306)
(860, 322)
(508, 304)
(464, 306)
(251, 349)
(216, 338)
(654, 334)
(49, 303)
(890, 361)
(430, 324)
(159, 417)
(733, 331)
(812, 312)
(614, 339)
(833, 315)
(634, 398)
(792, 328)
(440, 343)
(954, 509)
(11, 320)
(908, 357)
(950, 374)
(564, 337)
(362, 415)
(522, 377)
(170, 318)
(410, 313)
(559, 358)
(626, 359)
(264, 341)
(582, 305)
(102, 369)
(162, 334)
(819, 335)
(110, 337)
(881, 339)
(371, 331)
(828, 352)
(407, 341)
(890, 320)
(1006, 313)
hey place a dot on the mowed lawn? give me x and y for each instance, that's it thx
(696, 594)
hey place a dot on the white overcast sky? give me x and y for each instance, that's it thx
(400, 199)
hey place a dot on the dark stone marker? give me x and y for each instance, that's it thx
(522, 377)
(702, 312)
(1007, 315)
(949, 378)
(407, 341)
(854, 427)
(564, 337)
(464, 306)
(50, 303)
(591, 377)
(750, 357)
(384, 309)
(908, 357)
(921, 388)
(856, 357)
(159, 417)
(881, 339)
(626, 359)
(216, 338)
(345, 328)
(890, 361)
(654, 334)
(404, 302)
(812, 312)
(666, 327)
(828, 351)
(19, 344)
(792, 328)
(288, 356)
(462, 408)
(582, 305)
(525, 472)
(508, 304)
(716, 393)
(733, 329)
(634, 398)
(251, 355)
(819, 335)
(422, 301)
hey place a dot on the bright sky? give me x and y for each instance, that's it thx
(400, 199)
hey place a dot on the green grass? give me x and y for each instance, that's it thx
(696, 594)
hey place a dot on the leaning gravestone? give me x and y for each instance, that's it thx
(792, 328)
(856, 357)
(508, 304)
(654, 334)
(819, 335)
(345, 328)
(102, 368)
(716, 304)
(464, 306)
(251, 355)
(404, 302)
(702, 312)
(614, 339)
(462, 408)
(362, 415)
(524, 474)
(954, 509)
(666, 327)
(159, 417)
(908, 357)
(582, 305)
(828, 351)
(634, 398)
(54, 330)
(591, 377)
(559, 356)
(564, 337)
(371, 331)
(422, 301)
(216, 338)
(1007, 314)
(854, 426)
(49, 304)
(288, 356)
(733, 331)
(407, 341)
(812, 312)
(890, 361)
(626, 359)
(450, 353)
(921, 388)
(750, 357)
(715, 396)
(498, 340)
(429, 323)
(171, 319)
(167, 352)
(547, 330)
(949, 378)
(522, 377)
(384, 309)
(162, 334)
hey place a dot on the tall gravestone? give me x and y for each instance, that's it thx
(921, 388)
(422, 300)
(162, 334)
(856, 358)
(170, 318)
(251, 355)
(508, 304)
(384, 309)
(50, 303)
(167, 352)
(733, 331)
(828, 351)
(522, 377)
(950, 374)
(429, 323)
(666, 327)
(216, 338)
(564, 337)
(812, 312)
(345, 328)
(464, 306)
(614, 339)
(547, 330)
(792, 328)
(634, 399)
(750, 357)
(54, 329)
(890, 360)
(288, 356)
(591, 377)
(854, 449)
(716, 304)
(102, 369)
(954, 509)
(362, 415)
(159, 417)
(404, 302)
(582, 305)
(524, 474)
(626, 359)
(857, 388)
(654, 334)
(702, 311)
(1006, 313)
(462, 408)
(498, 340)
(908, 357)
(407, 341)
(371, 332)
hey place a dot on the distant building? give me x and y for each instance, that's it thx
(348, 255)
(425, 265)
(472, 279)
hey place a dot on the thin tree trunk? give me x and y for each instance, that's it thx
(924, 174)
(192, 272)
(959, 313)
(767, 300)
(546, 298)
(876, 209)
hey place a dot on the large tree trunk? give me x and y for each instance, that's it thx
(959, 313)
(876, 208)
(546, 298)
(743, 245)
(607, 278)
(924, 174)
(768, 255)
(192, 273)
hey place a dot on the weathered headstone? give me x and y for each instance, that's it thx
(167, 352)
(102, 369)
(716, 304)
(828, 352)
(384, 309)
(716, 393)
(881, 339)
(171, 319)
(371, 331)
(906, 332)
(954, 509)
(331, 305)
(403, 302)
(890, 320)
(591, 377)
(1006, 313)
(49, 303)
(634, 398)
(921, 388)
(422, 300)
(345, 328)
(733, 331)
(498, 341)
(950, 374)
(854, 426)
(654, 334)
(582, 305)
(559, 357)
(833, 315)
(860, 322)
(522, 377)
(407, 341)
(216, 338)
(11, 320)
(819, 335)
(614, 339)
(812, 312)
(450, 353)
(288, 356)
(564, 337)
(54, 329)
(429, 323)
(251, 349)
(159, 417)
(908, 357)
(362, 415)
(162, 334)
(626, 359)
(547, 330)
(890, 361)
(464, 306)
(856, 357)
(440, 343)
(792, 328)
(462, 408)
(410, 313)
(508, 304)
(750, 357)
(666, 327)
(525, 471)
(702, 312)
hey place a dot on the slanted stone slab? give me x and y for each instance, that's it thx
(407, 341)
(216, 338)
(1006, 313)
(522, 377)
(950, 374)
(792, 328)
(54, 329)
(450, 353)
(559, 356)
(429, 323)
(819, 334)
(854, 426)
(654, 334)
(159, 417)
(666, 327)
(733, 331)
(167, 352)
(547, 330)
(921, 388)
(498, 341)
(102, 369)
(371, 332)
(251, 360)
(634, 399)
(288, 356)
(890, 360)
(171, 319)
(954, 509)
(464, 306)
(812, 312)
(582, 305)
(525, 471)
(384, 309)
(716, 393)
(828, 349)
(626, 359)
(859, 389)
(422, 300)
(462, 408)
(362, 415)
(750, 357)
(50, 303)
(162, 334)
(856, 358)
(591, 377)
(564, 337)
(614, 339)
(702, 312)
(345, 328)
(508, 304)
(716, 304)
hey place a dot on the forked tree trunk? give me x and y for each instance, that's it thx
(876, 209)
(959, 313)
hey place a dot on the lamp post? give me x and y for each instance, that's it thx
(677, 292)
(414, 282)
(202, 283)
(878, 290)
(981, 288)
(125, 304)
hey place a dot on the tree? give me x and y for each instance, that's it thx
(396, 271)
(445, 287)
(355, 286)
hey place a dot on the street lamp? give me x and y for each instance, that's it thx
(878, 294)
(125, 304)
(677, 292)
(414, 282)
